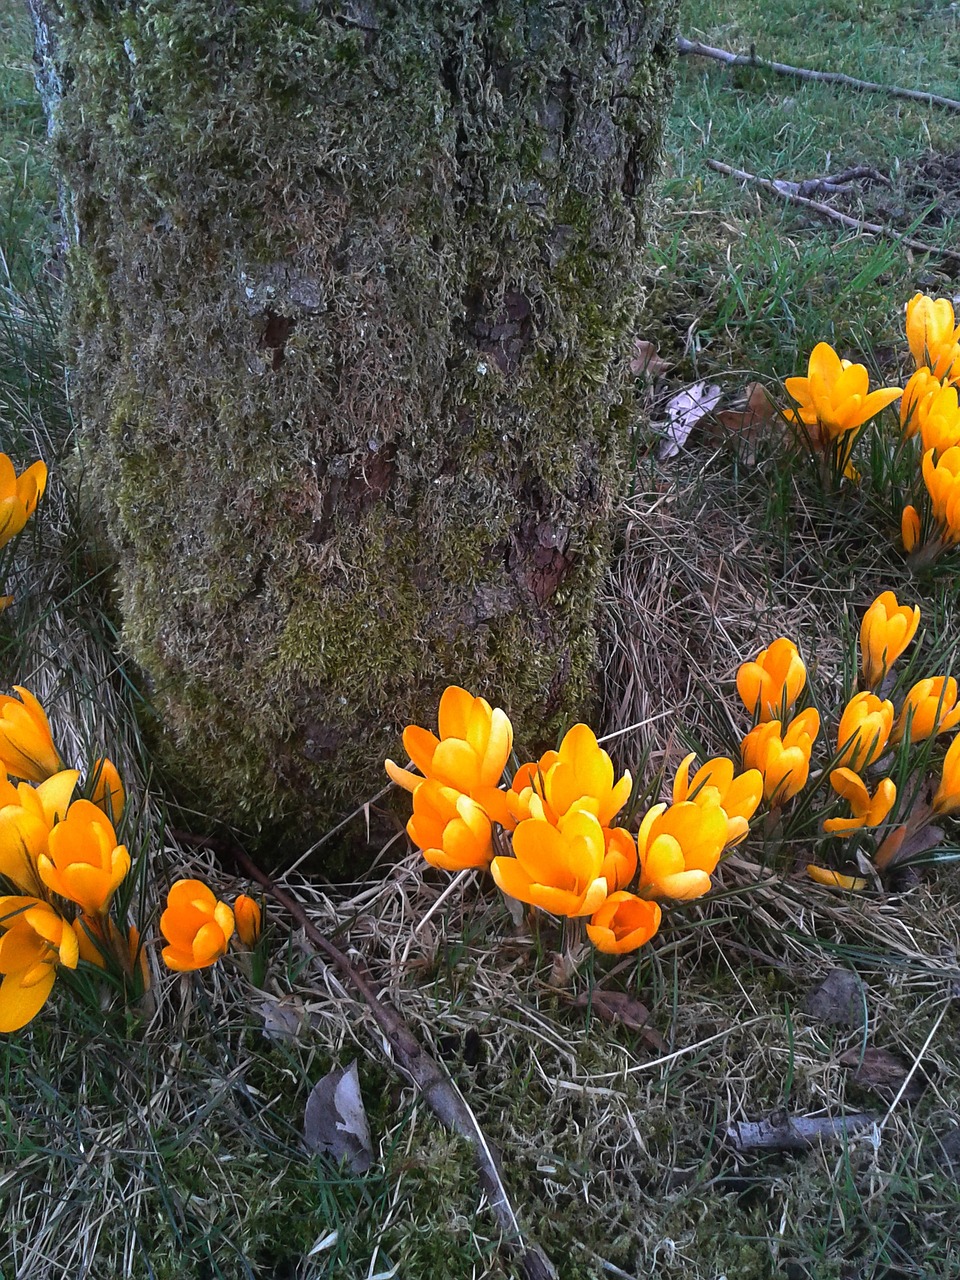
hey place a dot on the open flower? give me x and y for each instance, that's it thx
(557, 867)
(679, 847)
(578, 776)
(19, 496)
(783, 758)
(83, 862)
(452, 830)
(26, 745)
(835, 394)
(770, 685)
(942, 479)
(623, 923)
(868, 810)
(886, 630)
(865, 727)
(197, 926)
(931, 328)
(25, 826)
(714, 783)
(469, 755)
(928, 709)
(35, 940)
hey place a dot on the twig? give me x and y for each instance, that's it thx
(804, 73)
(785, 191)
(439, 1091)
(793, 1133)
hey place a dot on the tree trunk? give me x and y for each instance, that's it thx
(349, 305)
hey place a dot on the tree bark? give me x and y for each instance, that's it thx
(349, 307)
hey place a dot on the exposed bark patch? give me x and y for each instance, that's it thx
(273, 337)
(505, 333)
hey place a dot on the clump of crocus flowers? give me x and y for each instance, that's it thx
(551, 838)
(555, 836)
(848, 796)
(64, 866)
(835, 405)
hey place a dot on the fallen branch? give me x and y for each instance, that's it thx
(803, 73)
(787, 191)
(793, 1133)
(439, 1091)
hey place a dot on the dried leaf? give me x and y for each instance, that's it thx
(883, 1072)
(335, 1122)
(646, 360)
(565, 964)
(839, 1000)
(894, 852)
(684, 411)
(619, 1007)
(745, 427)
(282, 1019)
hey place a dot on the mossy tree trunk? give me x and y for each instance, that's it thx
(350, 300)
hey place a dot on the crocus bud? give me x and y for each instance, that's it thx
(248, 919)
(26, 745)
(770, 685)
(885, 632)
(910, 528)
(864, 730)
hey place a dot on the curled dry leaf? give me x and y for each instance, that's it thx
(839, 1000)
(883, 1072)
(744, 428)
(646, 360)
(619, 1007)
(335, 1122)
(684, 411)
(282, 1019)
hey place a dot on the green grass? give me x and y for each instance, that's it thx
(167, 1145)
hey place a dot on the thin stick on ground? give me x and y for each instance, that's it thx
(439, 1091)
(785, 192)
(750, 59)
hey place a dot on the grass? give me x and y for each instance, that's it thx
(164, 1142)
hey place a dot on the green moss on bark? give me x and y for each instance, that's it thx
(350, 307)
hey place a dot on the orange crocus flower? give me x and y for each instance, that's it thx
(197, 926)
(25, 826)
(26, 745)
(770, 685)
(679, 846)
(886, 630)
(248, 918)
(19, 496)
(623, 923)
(942, 478)
(947, 798)
(931, 328)
(83, 862)
(835, 395)
(929, 708)
(714, 783)
(35, 940)
(782, 758)
(557, 867)
(865, 727)
(578, 776)
(868, 810)
(452, 830)
(469, 755)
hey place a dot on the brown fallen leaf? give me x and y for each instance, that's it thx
(901, 845)
(883, 1072)
(746, 427)
(282, 1019)
(335, 1122)
(619, 1007)
(646, 360)
(684, 411)
(840, 999)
